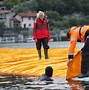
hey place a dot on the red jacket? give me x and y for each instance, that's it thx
(41, 29)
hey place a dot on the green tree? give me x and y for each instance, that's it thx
(2, 25)
(53, 15)
(19, 8)
(85, 6)
(25, 33)
(10, 3)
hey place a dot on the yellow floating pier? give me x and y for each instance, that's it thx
(24, 61)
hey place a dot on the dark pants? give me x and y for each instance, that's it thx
(40, 42)
(85, 55)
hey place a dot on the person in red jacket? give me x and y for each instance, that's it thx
(75, 34)
(41, 34)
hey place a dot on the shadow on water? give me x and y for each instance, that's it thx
(11, 82)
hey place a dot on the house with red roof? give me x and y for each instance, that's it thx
(24, 20)
(12, 20)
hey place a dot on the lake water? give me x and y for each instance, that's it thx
(31, 83)
(10, 82)
(63, 44)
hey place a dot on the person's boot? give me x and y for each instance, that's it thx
(39, 54)
(46, 53)
(87, 74)
(82, 75)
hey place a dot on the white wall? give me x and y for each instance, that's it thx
(8, 17)
(27, 21)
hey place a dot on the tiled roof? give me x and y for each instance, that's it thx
(26, 14)
(15, 20)
(4, 11)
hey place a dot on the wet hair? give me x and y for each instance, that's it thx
(49, 71)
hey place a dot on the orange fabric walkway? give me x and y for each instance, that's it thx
(18, 61)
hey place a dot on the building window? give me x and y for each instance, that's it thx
(29, 18)
(24, 25)
(29, 24)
